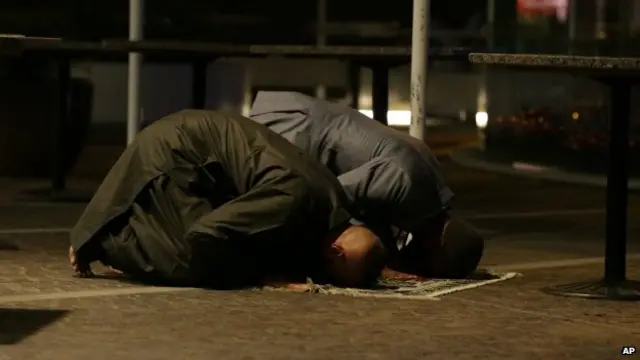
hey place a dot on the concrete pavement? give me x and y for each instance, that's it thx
(534, 227)
(474, 158)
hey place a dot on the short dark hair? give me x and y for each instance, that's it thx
(462, 250)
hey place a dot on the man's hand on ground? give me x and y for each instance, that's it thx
(80, 268)
(392, 274)
(115, 271)
(296, 287)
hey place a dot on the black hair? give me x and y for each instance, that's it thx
(374, 262)
(463, 247)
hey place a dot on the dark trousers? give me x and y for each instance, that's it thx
(154, 242)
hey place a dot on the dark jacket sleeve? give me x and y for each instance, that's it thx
(268, 207)
(285, 204)
(251, 235)
(376, 186)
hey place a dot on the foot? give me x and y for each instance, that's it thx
(81, 269)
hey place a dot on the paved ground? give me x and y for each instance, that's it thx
(46, 314)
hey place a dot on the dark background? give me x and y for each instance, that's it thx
(242, 21)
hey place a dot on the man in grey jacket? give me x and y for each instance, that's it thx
(393, 179)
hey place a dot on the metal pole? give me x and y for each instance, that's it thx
(199, 84)
(321, 38)
(617, 182)
(419, 57)
(572, 25)
(354, 84)
(601, 31)
(482, 99)
(60, 165)
(380, 93)
(135, 65)
(491, 19)
(248, 91)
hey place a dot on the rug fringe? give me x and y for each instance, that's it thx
(502, 277)
(450, 287)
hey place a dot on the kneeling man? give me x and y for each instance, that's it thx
(202, 198)
(393, 179)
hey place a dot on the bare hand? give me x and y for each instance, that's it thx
(295, 287)
(115, 271)
(80, 269)
(392, 274)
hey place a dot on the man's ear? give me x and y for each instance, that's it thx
(336, 251)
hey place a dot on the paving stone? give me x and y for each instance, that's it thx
(509, 320)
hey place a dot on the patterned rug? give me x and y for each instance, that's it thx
(430, 289)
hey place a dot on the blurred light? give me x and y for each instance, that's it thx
(394, 117)
(528, 167)
(482, 119)
(560, 8)
(575, 116)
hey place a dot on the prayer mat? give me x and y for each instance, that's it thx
(428, 289)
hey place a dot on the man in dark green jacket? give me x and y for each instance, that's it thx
(202, 198)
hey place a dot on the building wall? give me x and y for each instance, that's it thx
(167, 88)
(448, 91)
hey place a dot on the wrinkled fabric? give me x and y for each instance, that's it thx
(389, 175)
(201, 195)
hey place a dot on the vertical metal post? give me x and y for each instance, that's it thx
(491, 19)
(135, 66)
(321, 38)
(617, 182)
(482, 99)
(380, 92)
(601, 31)
(248, 91)
(354, 84)
(199, 84)
(419, 58)
(572, 25)
(60, 153)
